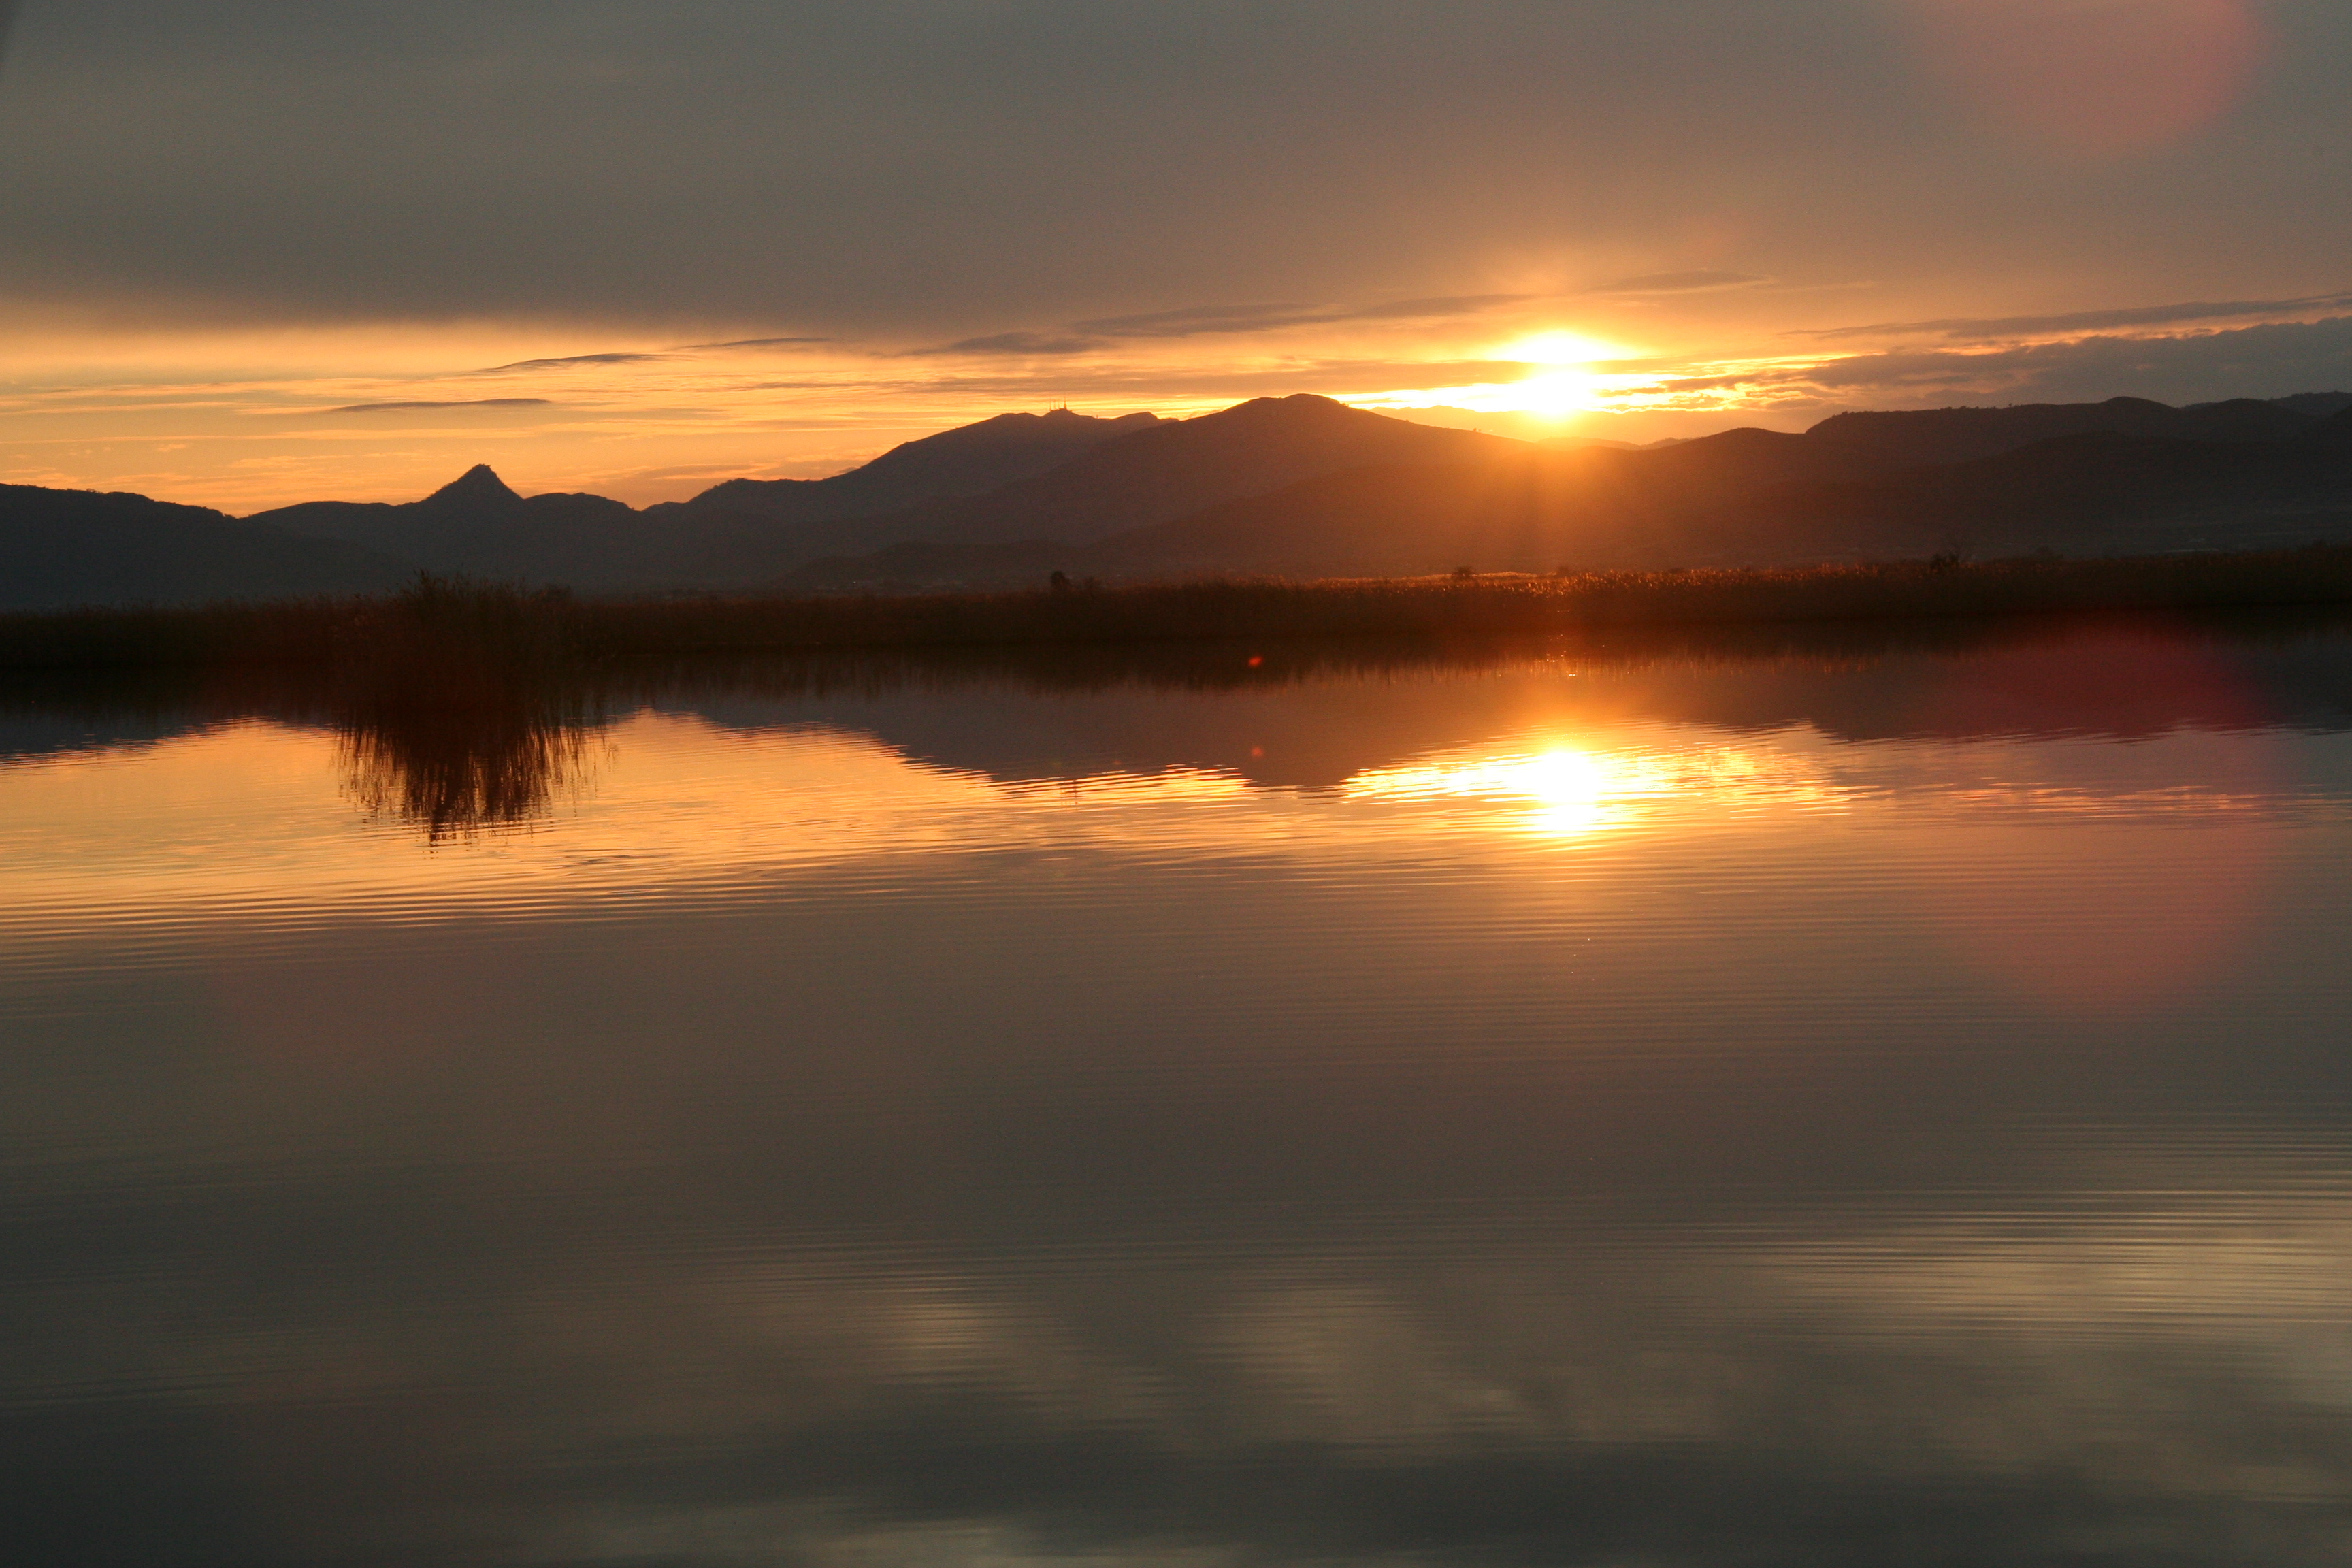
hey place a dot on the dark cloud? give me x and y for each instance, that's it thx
(1141, 381)
(927, 167)
(464, 402)
(1436, 308)
(1020, 343)
(1964, 329)
(569, 360)
(1197, 320)
(756, 343)
(1681, 282)
(2268, 361)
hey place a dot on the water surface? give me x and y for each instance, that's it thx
(1821, 1101)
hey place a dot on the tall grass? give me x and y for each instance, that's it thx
(440, 628)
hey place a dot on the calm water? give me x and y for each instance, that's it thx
(1793, 1104)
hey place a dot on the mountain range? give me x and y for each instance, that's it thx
(1298, 486)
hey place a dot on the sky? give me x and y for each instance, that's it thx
(254, 252)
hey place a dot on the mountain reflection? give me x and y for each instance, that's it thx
(456, 744)
(1808, 1098)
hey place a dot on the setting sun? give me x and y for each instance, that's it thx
(1561, 348)
(1565, 385)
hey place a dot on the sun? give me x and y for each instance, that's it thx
(1562, 375)
(1557, 393)
(1560, 348)
(1560, 381)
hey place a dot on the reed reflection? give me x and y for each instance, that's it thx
(461, 710)
(456, 751)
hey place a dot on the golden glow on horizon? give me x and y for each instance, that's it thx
(246, 420)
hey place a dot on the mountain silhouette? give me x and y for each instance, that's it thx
(744, 530)
(2311, 405)
(1914, 440)
(2335, 432)
(63, 548)
(1301, 486)
(1844, 490)
(478, 487)
(1178, 467)
(731, 533)
(971, 460)
(477, 525)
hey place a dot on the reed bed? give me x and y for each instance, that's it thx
(439, 620)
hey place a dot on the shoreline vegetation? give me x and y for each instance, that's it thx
(437, 619)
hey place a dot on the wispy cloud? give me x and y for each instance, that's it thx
(1018, 343)
(464, 403)
(753, 343)
(1991, 329)
(2266, 361)
(1197, 320)
(569, 361)
(1705, 280)
(1435, 309)
(1193, 320)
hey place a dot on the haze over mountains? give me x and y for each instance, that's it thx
(1299, 485)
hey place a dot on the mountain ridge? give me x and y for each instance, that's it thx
(1301, 485)
(59, 549)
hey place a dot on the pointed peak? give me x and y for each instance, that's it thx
(476, 485)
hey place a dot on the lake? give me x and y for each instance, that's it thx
(1805, 1098)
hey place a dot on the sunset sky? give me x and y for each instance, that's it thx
(260, 252)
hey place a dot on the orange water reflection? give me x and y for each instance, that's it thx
(1327, 1121)
(1566, 792)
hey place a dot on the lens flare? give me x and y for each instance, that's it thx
(2092, 79)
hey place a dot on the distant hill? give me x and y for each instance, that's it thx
(1919, 437)
(732, 533)
(1839, 491)
(1300, 485)
(2312, 404)
(1178, 467)
(64, 547)
(971, 460)
(477, 525)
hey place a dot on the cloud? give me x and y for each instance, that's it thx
(754, 343)
(1701, 281)
(909, 173)
(1146, 384)
(1965, 328)
(1195, 320)
(569, 360)
(1019, 344)
(464, 403)
(2272, 360)
(1438, 308)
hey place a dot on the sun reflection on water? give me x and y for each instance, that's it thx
(1567, 792)
(1571, 792)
